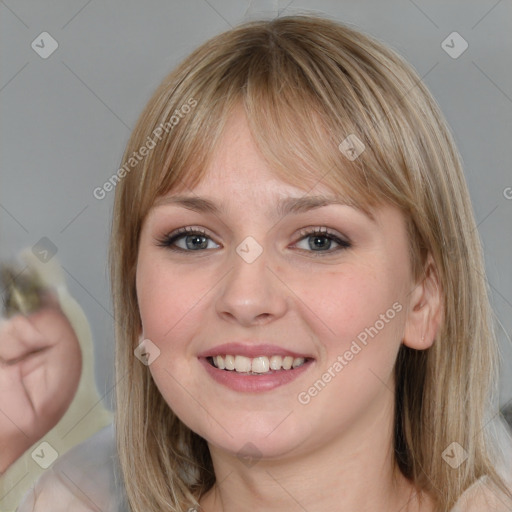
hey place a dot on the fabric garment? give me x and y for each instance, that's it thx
(478, 498)
(85, 479)
(88, 479)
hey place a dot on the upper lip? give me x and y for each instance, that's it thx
(251, 350)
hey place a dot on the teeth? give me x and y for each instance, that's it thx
(229, 362)
(242, 364)
(276, 362)
(298, 361)
(260, 365)
(256, 365)
(287, 362)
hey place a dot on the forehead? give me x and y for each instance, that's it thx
(251, 182)
(280, 206)
(237, 164)
(268, 169)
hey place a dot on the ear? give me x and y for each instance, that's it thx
(425, 312)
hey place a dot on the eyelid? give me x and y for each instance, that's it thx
(187, 229)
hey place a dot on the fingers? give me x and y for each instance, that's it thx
(19, 337)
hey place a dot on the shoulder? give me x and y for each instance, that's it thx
(85, 479)
(483, 495)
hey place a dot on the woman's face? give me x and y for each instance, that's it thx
(251, 282)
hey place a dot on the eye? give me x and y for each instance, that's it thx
(321, 240)
(187, 239)
(192, 239)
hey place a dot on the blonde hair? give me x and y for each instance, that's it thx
(306, 84)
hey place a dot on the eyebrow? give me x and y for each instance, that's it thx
(285, 206)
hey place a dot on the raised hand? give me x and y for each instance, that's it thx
(40, 368)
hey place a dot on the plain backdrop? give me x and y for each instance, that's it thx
(66, 118)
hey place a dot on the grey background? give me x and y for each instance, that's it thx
(65, 119)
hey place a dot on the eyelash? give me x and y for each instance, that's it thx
(168, 240)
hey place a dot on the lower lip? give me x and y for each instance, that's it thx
(254, 383)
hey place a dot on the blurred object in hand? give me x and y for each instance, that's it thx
(22, 290)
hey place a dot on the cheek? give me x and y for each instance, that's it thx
(358, 317)
(166, 298)
(172, 315)
(348, 302)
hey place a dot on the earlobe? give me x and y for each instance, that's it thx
(425, 310)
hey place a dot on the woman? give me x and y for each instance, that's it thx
(299, 288)
(299, 108)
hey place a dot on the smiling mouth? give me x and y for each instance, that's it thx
(261, 365)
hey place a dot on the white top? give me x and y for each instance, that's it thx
(480, 498)
(87, 479)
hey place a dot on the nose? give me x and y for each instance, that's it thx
(251, 293)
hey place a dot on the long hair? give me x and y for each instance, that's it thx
(307, 85)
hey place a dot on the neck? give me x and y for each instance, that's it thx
(356, 472)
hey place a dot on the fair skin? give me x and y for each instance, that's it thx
(40, 368)
(334, 452)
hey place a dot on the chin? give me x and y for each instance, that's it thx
(255, 441)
